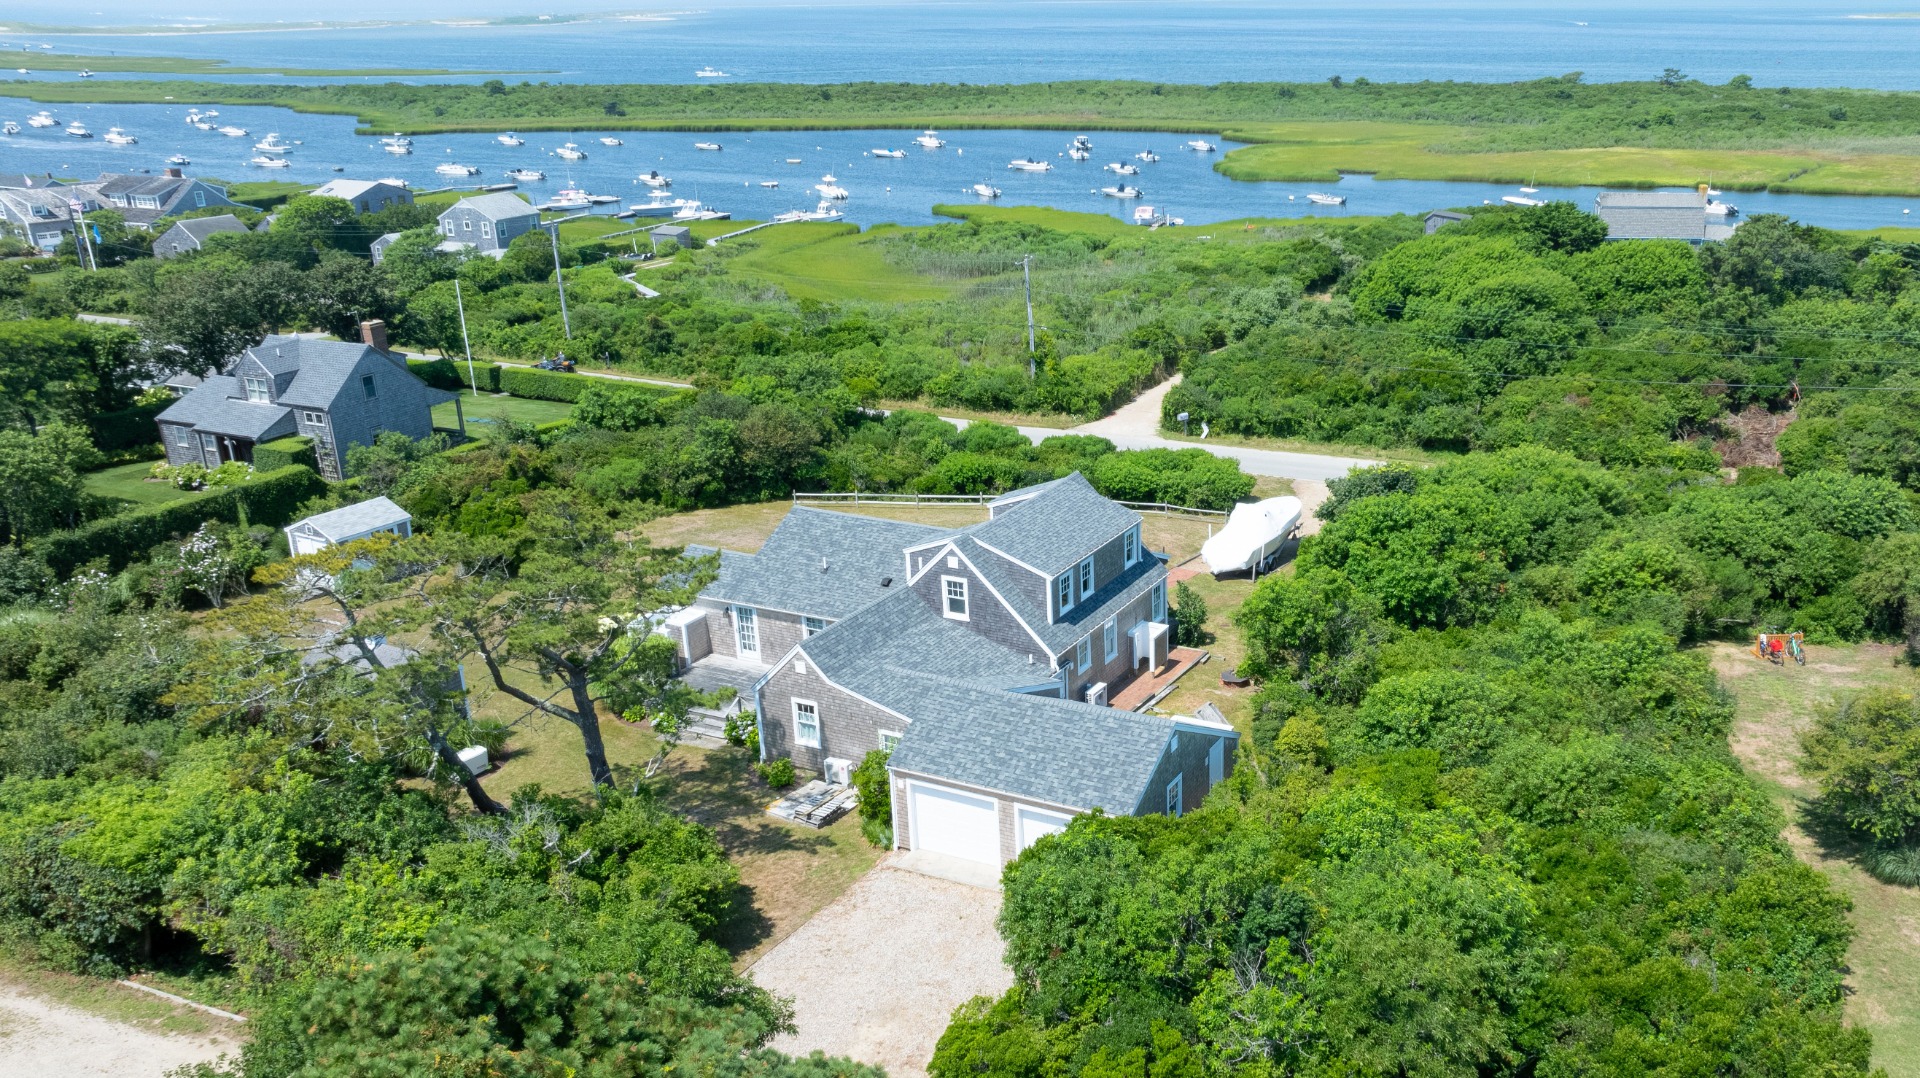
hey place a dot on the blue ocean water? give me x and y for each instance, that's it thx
(1182, 183)
(1775, 41)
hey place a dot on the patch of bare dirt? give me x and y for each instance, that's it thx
(1750, 437)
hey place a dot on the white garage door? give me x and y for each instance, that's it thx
(955, 824)
(1035, 824)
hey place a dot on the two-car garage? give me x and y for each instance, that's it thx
(966, 824)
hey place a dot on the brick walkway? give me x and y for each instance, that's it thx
(1143, 688)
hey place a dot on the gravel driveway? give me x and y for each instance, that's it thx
(40, 1038)
(876, 974)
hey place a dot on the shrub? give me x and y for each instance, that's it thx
(1899, 865)
(776, 773)
(285, 453)
(269, 499)
(876, 798)
(451, 375)
(113, 432)
(1189, 617)
(1864, 754)
(1189, 477)
(542, 385)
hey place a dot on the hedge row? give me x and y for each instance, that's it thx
(542, 385)
(285, 453)
(126, 429)
(270, 498)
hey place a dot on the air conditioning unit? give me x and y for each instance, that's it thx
(838, 772)
(1097, 694)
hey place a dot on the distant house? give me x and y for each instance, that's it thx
(488, 223)
(190, 234)
(679, 234)
(143, 199)
(40, 207)
(361, 520)
(367, 196)
(379, 248)
(1440, 219)
(338, 393)
(1690, 216)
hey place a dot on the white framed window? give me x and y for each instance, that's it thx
(1110, 639)
(313, 419)
(1084, 653)
(1063, 592)
(256, 389)
(806, 723)
(889, 739)
(1130, 546)
(486, 229)
(1086, 578)
(812, 625)
(1175, 796)
(466, 225)
(448, 226)
(953, 597)
(200, 199)
(183, 436)
(1160, 601)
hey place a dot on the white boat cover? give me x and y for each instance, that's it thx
(1254, 531)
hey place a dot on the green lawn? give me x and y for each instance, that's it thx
(128, 483)
(490, 408)
(829, 262)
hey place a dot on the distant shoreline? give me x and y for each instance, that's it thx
(362, 24)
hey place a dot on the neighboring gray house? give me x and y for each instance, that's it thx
(367, 196)
(1692, 216)
(1439, 219)
(40, 208)
(339, 393)
(488, 223)
(143, 199)
(379, 248)
(679, 234)
(190, 234)
(983, 656)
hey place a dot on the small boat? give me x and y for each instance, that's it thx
(654, 179)
(571, 152)
(42, 119)
(570, 197)
(1146, 155)
(609, 140)
(22, 71)
(396, 139)
(710, 72)
(694, 211)
(826, 211)
(209, 114)
(1022, 164)
(76, 129)
(793, 160)
(829, 189)
(1122, 191)
(1079, 154)
(1124, 169)
(234, 132)
(986, 190)
(769, 183)
(193, 116)
(397, 149)
(339, 168)
(525, 175)
(272, 144)
(1517, 200)
(1082, 142)
(1326, 200)
(454, 168)
(204, 125)
(118, 137)
(270, 162)
(510, 139)
(1201, 145)
(179, 159)
(1722, 209)
(889, 153)
(84, 73)
(9, 128)
(706, 145)
(1529, 190)
(1711, 191)
(391, 181)
(931, 139)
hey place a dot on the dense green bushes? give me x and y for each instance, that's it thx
(128, 428)
(542, 385)
(1191, 477)
(285, 453)
(270, 499)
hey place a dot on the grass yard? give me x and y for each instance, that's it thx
(498, 407)
(1772, 706)
(832, 263)
(128, 483)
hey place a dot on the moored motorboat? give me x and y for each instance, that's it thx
(76, 129)
(710, 72)
(1722, 209)
(272, 144)
(395, 139)
(264, 161)
(525, 175)
(1122, 191)
(830, 188)
(826, 211)
(397, 149)
(1521, 200)
(510, 139)
(1201, 145)
(1146, 155)
(706, 145)
(454, 168)
(654, 179)
(609, 140)
(889, 153)
(204, 125)
(118, 137)
(769, 183)
(9, 128)
(986, 190)
(1124, 169)
(234, 132)
(42, 118)
(570, 152)
(1024, 164)
(179, 159)
(692, 210)
(1079, 153)
(930, 139)
(1326, 200)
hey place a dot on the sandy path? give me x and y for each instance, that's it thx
(43, 1039)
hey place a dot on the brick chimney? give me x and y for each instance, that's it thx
(373, 333)
(174, 173)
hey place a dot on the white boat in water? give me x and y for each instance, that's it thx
(525, 175)
(609, 140)
(1146, 155)
(264, 161)
(710, 72)
(1722, 209)
(769, 183)
(234, 132)
(179, 159)
(9, 128)
(1079, 154)
(395, 139)
(1124, 169)
(889, 153)
(76, 129)
(84, 73)
(204, 125)
(1202, 146)
(930, 139)
(118, 137)
(1082, 142)
(193, 116)
(454, 168)
(510, 139)
(986, 190)
(272, 144)
(1327, 200)
(571, 197)
(793, 160)
(1122, 191)
(692, 210)
(826, 211)
(830, 189)
(1521, 200)
(1529, 190)
(42, 119)
(570, 152)
(1022, 164)
(397, 149)
(654, 179)
(706, 145)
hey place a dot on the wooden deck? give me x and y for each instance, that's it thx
(1144, 689)
(816, 804)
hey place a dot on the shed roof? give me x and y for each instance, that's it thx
(671, 231)
(357, 519)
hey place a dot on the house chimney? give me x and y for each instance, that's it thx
(373, 333)
(174, 173)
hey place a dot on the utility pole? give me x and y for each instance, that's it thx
(1026, 265)
(82, 244)
(554, 230)
(460, 305)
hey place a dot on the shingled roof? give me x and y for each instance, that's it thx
(1660, 215)
(865, 654)
(821, 562)
(1050, 527)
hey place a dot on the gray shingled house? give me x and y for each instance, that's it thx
(488, 223)
(984, 657)
(339, 393)
(367, 196)
(142, 199)
(191, 234)
(1664, 215)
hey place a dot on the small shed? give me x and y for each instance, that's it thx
(1440, 219)
(357, 521)
(679, 234)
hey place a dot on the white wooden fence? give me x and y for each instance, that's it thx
(855, 497)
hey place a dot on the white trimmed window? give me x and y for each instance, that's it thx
(486, 229)
(1160, 601)
(183, 436)
(1175, 796)
(953, 601)
(1063, 592)
(1130, 546)
(200, 199)
(1085, 656)
(256, 389)
(889, 740)
(810, 625)
(466, 225)
(806, 723)
(1086, 578)
(1110, 639)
